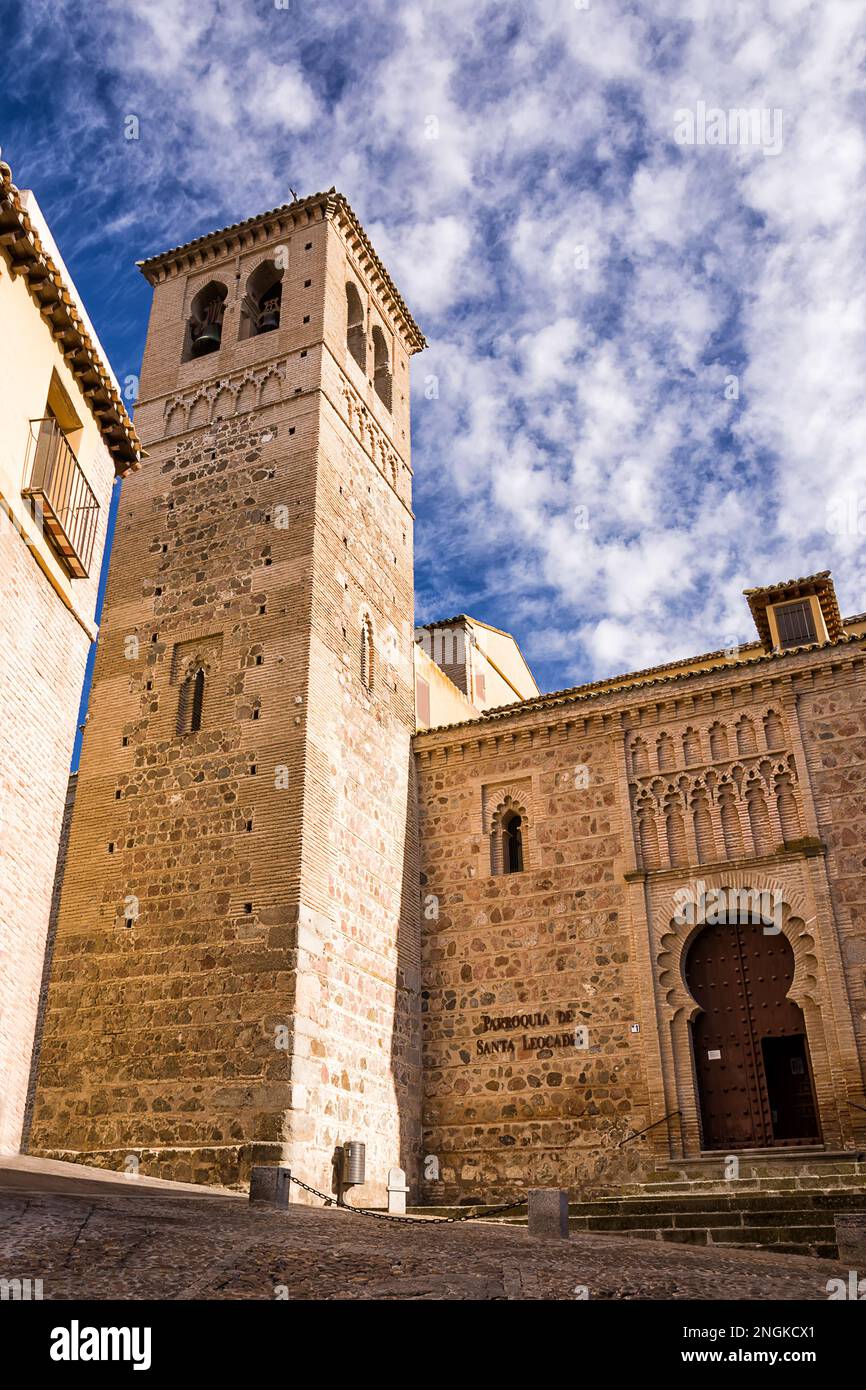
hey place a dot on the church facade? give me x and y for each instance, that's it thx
(330, 879)
(678, 965)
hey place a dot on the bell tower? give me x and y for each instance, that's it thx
(235, 973)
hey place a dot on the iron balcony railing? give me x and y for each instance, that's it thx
(63, 499)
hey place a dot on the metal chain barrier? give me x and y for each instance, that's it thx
(408, 1220)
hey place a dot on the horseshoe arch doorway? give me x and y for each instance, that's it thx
(751, 1052)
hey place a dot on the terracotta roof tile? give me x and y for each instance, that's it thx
(33, 260)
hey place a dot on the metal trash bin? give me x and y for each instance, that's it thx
(354, 1163)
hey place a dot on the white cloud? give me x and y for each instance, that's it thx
(587, 286)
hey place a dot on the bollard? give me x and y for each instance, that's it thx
(548, 1213)
(270, 1185)
(851, 1238)
(397, 1191)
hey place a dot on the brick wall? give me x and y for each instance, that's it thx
(233, 972)
(43, 651)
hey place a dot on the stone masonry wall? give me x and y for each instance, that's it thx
(629, 798)
(515, 964)
(833, 720)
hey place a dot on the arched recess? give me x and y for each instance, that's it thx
(705, 842)
(381, 367)
(204, 326)
(199, 412)
(191, 697)
(270, 390)
(647, 830)
(356, 332)
(639, 757)
(692, 746)
(261, 304)
(367, 653)
(248, 396)
(684, 916)
(509, 826)
(175, 420)
(224, 404)
(786, 804)
(665, 758)
(718, 741)
(759, 819)
(774, 733)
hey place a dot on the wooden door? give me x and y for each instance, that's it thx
(749, 1040)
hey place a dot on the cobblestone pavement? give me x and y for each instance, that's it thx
(138, 1242)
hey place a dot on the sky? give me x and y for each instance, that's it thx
(645, 385)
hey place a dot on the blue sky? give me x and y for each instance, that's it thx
(646, 382)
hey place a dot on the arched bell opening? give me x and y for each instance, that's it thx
(262, 301)
(205, 323)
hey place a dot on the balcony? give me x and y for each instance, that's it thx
(63, 501)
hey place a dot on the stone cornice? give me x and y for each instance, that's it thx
(592, 710)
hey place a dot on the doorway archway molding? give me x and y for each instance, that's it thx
(826, 1008)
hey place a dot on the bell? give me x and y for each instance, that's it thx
(208, 339)
(269, 320)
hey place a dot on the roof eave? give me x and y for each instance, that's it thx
(332, 204)
(31, 259)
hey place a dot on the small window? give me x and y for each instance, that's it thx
(512, 844)
(796, 624)
(191, 704)
(367, 654)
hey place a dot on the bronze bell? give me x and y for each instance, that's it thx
(207, 340)
(269, 318)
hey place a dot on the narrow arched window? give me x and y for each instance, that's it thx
(367, 654)
(197, 701)
(512, 844)
(205, 324)
(356, 336)
(191, 704)
(262, 301)
(381, 367)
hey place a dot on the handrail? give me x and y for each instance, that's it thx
(654, 1124)
(66, 503)
(856, 1106)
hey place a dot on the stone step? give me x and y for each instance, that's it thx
(793, 1220)
(672, 1220)
(830, 1183)
(815, 1163)
(707, 1202)
(817, 1241)
(734, 1197)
